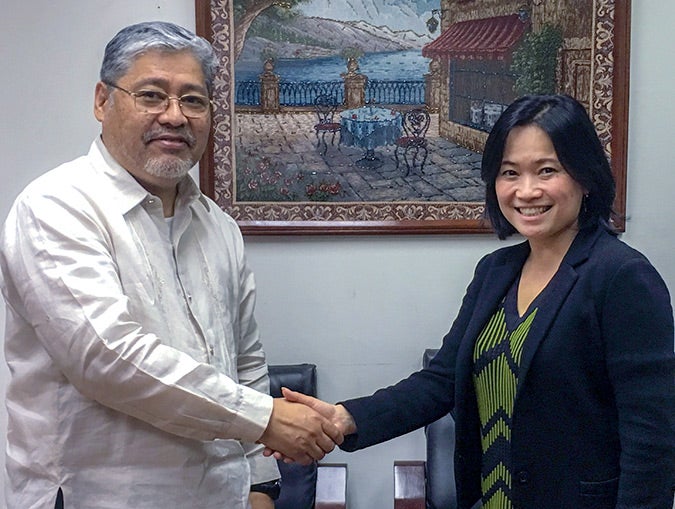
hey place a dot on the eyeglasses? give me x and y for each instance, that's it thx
(156, 102)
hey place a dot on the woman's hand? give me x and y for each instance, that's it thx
(336, 414)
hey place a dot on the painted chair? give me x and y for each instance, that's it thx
(413, 144)
(326, 108)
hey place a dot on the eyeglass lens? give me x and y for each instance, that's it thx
(150, 101)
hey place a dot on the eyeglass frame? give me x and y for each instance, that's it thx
(168, 100)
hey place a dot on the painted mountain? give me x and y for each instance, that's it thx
(325, 27)
(396, 14)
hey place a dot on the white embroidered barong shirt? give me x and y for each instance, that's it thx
(137, 374)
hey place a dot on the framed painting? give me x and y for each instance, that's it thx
(331, 118)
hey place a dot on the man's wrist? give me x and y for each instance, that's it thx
(269, 488)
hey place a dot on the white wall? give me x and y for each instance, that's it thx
(362, 308)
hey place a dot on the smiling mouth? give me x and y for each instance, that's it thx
(532, 211)
(171, 140)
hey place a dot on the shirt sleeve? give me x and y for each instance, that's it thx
(252, 370)
(61, 279)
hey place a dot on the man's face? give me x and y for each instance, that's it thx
(158, 149)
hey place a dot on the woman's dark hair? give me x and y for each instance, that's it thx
(577, 146)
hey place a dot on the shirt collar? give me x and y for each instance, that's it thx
(131, 193)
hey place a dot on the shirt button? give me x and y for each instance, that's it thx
(523, 477)
(211, 350)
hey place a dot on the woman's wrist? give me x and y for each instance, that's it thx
(345, 421)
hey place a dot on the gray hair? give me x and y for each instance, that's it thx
(135, 40)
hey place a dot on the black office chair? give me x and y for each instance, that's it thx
(429, 484)
(315, 486)
(441, 492)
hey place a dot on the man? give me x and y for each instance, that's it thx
(137, 374)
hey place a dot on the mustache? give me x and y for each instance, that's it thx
(180, 133)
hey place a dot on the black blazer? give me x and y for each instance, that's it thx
(593, 421)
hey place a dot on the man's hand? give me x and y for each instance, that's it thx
(299, 433)
(337, 416)
(260, 501)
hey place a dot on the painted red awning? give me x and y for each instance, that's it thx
(478, 39)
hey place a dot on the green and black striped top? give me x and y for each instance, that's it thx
(496, 363)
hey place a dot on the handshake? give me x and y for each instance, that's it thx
(303, 429)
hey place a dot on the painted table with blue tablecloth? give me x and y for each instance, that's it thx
(369, 127)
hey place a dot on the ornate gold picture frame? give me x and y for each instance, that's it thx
(595, 67)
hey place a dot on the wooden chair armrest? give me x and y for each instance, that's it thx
(331, 486)
(409, 479)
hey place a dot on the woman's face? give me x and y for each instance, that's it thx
(535, 193)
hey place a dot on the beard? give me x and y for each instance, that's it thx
(169, 167)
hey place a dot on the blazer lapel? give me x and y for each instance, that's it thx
(498, 279)
(557, 292)
(561, 283)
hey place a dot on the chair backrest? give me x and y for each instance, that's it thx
(416, 123)
(298, 482)
(325, 106)
(441, 492)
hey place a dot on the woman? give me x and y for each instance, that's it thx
(559, 365)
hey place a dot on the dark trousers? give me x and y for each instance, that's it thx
(59, 500)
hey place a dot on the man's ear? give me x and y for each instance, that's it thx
(101, 97)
